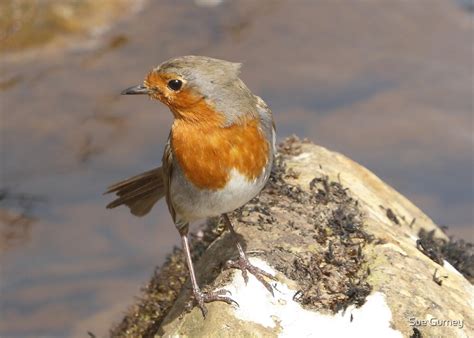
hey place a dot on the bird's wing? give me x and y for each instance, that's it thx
(139, 193)
(167, 175)
(267, 121)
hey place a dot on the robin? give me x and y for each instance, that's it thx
(218, 156)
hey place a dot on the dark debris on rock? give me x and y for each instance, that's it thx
(457, 252)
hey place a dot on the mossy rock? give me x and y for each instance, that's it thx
(342, 245)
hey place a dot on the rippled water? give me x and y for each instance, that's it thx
(387, 83)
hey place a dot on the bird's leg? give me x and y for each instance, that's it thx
(201, 297)
(243, 263)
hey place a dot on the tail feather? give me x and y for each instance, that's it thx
(140, 192)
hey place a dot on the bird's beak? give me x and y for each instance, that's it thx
(135, 90)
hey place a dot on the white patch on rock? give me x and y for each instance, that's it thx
(257, 305)
(451, 268)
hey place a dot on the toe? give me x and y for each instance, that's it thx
(245, 266)
(262, 272)
(245, 275)
(227, 300)
(223, 292)
(266, 285)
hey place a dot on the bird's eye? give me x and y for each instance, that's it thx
(175, 84)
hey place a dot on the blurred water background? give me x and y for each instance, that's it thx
(387, 83)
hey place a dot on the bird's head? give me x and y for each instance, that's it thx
(198, 88)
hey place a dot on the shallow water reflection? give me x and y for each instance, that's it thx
(387, 83)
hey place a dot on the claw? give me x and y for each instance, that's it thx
(244, 265)
(243, 262)
(216, 296)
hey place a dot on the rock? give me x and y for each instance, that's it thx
(344, 250)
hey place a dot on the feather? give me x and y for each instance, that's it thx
(139, 192)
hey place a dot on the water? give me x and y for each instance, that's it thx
(389, 84)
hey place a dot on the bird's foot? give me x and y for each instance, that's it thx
(215, 296)
(244, 265)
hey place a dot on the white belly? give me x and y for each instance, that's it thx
(191, 204)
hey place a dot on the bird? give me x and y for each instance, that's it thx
(218, 156)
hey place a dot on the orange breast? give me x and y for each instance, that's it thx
(207, 152)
